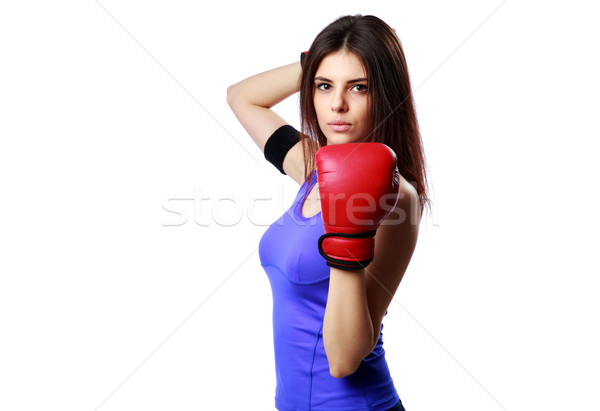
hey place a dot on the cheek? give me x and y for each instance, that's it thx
(364, 114)
(318, 109)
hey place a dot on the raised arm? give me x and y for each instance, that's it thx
(251, 101)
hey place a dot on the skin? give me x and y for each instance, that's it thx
(358, 299)
(340, 94)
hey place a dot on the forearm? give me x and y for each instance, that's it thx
(347, 325)
(268, 88)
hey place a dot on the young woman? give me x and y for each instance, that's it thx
(332, 285)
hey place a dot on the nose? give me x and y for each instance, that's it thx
(338, 102)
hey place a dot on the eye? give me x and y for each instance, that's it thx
(324, 86)
(359, 88)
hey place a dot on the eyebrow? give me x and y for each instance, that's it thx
(356, 80)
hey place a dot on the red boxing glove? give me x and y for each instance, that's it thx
(359, 186)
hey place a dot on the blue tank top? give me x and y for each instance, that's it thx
(299, 280)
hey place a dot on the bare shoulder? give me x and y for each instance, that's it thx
(397, 236)
(407, 211)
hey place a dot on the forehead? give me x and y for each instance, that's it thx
(340, 66)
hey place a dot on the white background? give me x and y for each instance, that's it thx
(114, 112)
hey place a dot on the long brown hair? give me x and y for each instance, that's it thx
(392, 107)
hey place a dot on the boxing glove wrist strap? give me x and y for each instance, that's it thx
(344, 264)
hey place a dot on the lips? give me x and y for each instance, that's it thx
(339, 126)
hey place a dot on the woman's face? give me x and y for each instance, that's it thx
(340, 98)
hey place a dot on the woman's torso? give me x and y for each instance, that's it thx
(299, 279)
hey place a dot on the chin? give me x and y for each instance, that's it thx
(341, 139)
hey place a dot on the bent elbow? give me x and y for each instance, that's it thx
(230, 94)
(341, 370)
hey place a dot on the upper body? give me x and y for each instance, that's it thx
(343, 100)
(300, 282)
